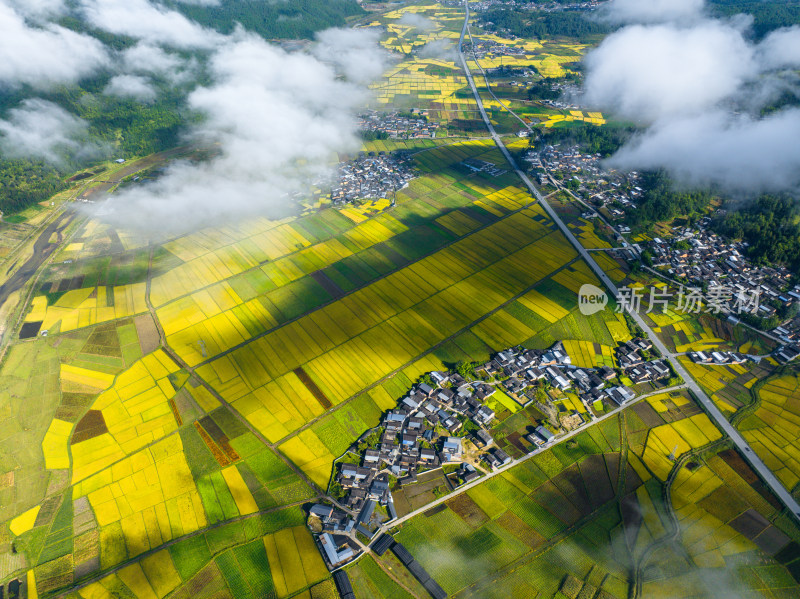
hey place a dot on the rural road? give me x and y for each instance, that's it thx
(747, 452)
(526, 457)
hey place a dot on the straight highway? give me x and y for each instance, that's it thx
(705, 401)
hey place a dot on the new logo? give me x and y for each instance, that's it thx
(591, 299)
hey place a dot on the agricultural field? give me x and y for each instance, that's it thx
(173, 405)
(298, 333)
(571, 521)
(771, 426)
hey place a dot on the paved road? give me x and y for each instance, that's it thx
(526, 457)
(758, 465)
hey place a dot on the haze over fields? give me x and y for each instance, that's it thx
(699, 86)
(275, 119)
(320, 299)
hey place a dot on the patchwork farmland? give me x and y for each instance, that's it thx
(174, 407)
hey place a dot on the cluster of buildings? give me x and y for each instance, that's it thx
(524, 368)
(593, 183)
(422, 433)
(697, 256)
(371, 177)
(397, 126)
(633, 358)
(419, 434)
(717, 358)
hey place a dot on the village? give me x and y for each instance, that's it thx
(395, 125)
(582, 173)
(695, 256)
(552, 6)
(372, 176)
(444, 422)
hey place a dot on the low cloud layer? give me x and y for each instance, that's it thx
(131, 86)
(650, 11)
(44, 55)
(149, 22)
(738, 152)
(41, 129)
(277, 120)
(38, 8)
(698, 87)
(650, 72)
(440, 50)
(418, 22)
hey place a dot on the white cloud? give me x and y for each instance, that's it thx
(145, 58)
(277, 119)
(131, 86)
(37, 8)
(41, 56)
(649, 72)
(781, 49)
(735, 152)
(416, 21)
(149, 22)
(440, 49)
(353, 53)
(41, 129)
(699, 89)
(651, 11)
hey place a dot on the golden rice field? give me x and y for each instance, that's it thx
(86, 307)
(136, 413)
(773, 429)
(587, 354)
(672, 440)
(294, 560)
(145, 499)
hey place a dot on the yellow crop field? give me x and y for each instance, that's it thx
(311, 455)
(294, 560)
(161, 572)
(377, 329)
(24, 522)
(543, 306)
(32, 592)
(86, 377)
(55, 445)
(675, 439)
(239, 491)
(151, 495)
(774, 428)
(135, 579)
(136, 412)
(583, 354)
(85, 307)
(576, 275)
(610, 266)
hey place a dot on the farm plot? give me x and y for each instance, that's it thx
(668, 442)
(723, 518)
(143, 500)
(85, 307)
(773, 428)
(132, 413)
(512, 517)
(389, 329)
